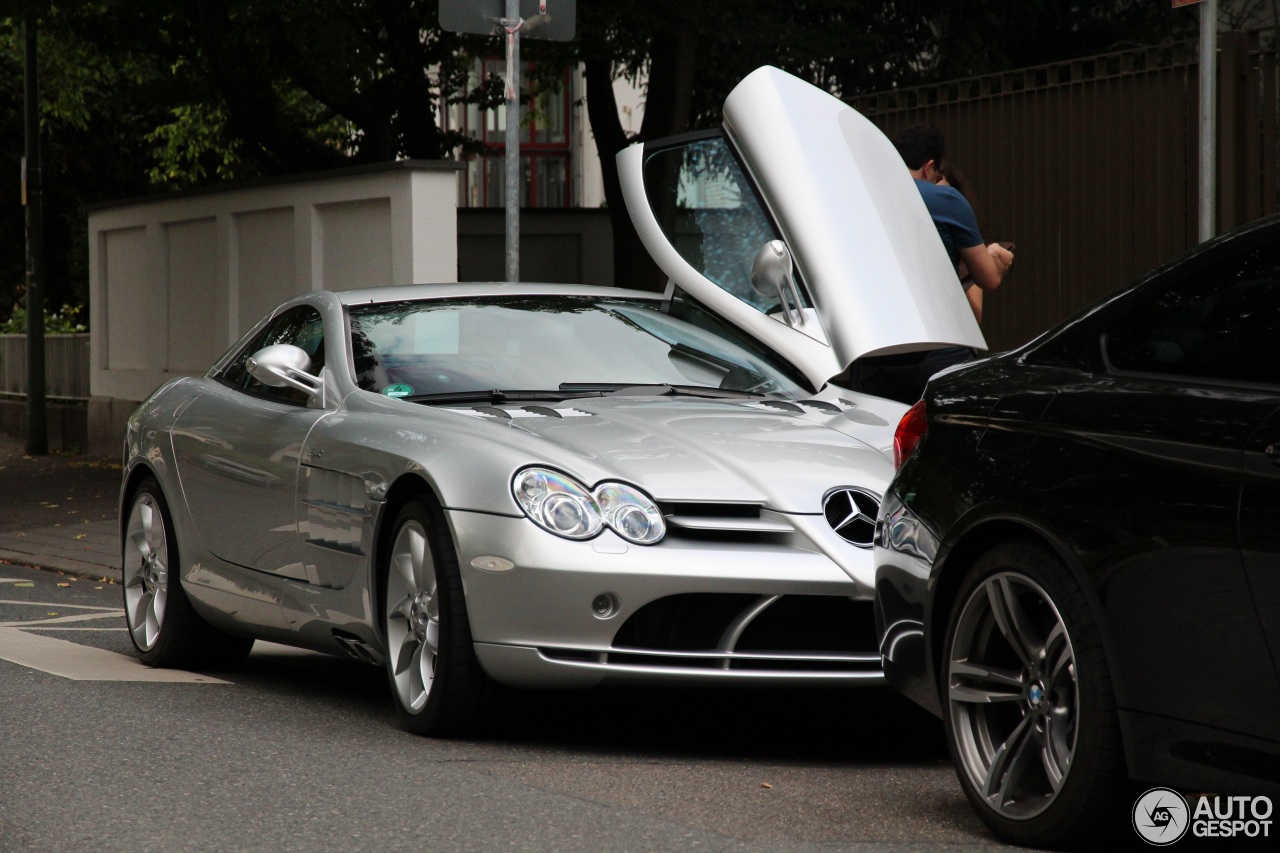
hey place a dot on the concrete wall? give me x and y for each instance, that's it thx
(176, 279)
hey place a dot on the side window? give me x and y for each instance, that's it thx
(710, 213)
(1218, 320)
(303, 327)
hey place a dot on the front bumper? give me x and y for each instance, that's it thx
(691, 610)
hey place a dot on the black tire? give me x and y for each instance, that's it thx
(437, 683)
(1028, 705)
(162, 623)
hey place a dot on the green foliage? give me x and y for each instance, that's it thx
(195, 143)
(67, 320)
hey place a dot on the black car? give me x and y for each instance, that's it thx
(1078, 562)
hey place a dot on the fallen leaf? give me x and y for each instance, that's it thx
(766, 785)
(78, 536)
(51, 613)
(64, 584)
(25, 585)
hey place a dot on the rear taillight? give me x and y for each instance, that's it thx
(911, 429)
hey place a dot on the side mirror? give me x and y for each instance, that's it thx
(281, 365)
(772, 275)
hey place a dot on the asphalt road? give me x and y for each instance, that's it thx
(298, 751)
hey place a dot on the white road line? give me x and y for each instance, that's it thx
(85, 663)
(65, 606)
(60, 620)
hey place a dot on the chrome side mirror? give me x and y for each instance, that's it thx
(281, 365)
(772, 275)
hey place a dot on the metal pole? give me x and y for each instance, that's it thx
(1208, 118)
(512, 24)
(37, 432)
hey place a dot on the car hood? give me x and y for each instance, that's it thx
(683, 449)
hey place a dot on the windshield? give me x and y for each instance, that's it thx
(555, 343)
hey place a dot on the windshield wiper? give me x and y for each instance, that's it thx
(662, 389)
(495, 396)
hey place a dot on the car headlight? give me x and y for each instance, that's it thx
(630, 513)
(562, 505)
(557, 503)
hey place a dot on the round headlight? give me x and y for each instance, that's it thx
(557, 503)
(630, 513)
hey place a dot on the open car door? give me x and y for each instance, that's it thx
(799, 223)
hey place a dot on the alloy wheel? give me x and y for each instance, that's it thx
(146, 570)
(1012, 695)
(413, 617)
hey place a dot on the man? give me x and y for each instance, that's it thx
(922, 149)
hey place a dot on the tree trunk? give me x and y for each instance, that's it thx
(667, 107)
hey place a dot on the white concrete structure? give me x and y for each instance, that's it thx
(176, 279)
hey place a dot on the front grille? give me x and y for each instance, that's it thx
(725, 631)
(708, 509)
(799, 623)
(682, 623)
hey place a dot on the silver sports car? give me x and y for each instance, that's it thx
(563, 486)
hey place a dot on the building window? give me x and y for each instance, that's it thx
(544, 148)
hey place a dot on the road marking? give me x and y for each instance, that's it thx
(65, 606)
(62, 620)
(85, 663)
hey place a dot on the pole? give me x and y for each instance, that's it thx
(512, 26)
(1208, 118)
(37, 432)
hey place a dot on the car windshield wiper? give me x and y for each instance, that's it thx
(661, 389)
(496, 396)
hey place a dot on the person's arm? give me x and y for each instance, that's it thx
(987, 265)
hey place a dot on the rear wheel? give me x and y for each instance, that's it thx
(437, 682)
(1029, 711)
(164, 627)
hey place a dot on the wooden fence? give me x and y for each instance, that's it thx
(1090, 166)
(66, 366)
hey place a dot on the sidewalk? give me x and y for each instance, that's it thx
(58, 511)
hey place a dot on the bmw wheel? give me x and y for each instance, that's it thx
(1028, 707)
(164, 627)
(437, 682)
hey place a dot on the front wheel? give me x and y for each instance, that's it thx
(437, 682)
(1028, 706)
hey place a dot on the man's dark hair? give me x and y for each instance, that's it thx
(920, 143)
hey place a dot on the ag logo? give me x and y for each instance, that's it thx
(1161, 816)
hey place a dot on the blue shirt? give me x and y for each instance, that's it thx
(953, 216)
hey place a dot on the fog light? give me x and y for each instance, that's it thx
(605, 605)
